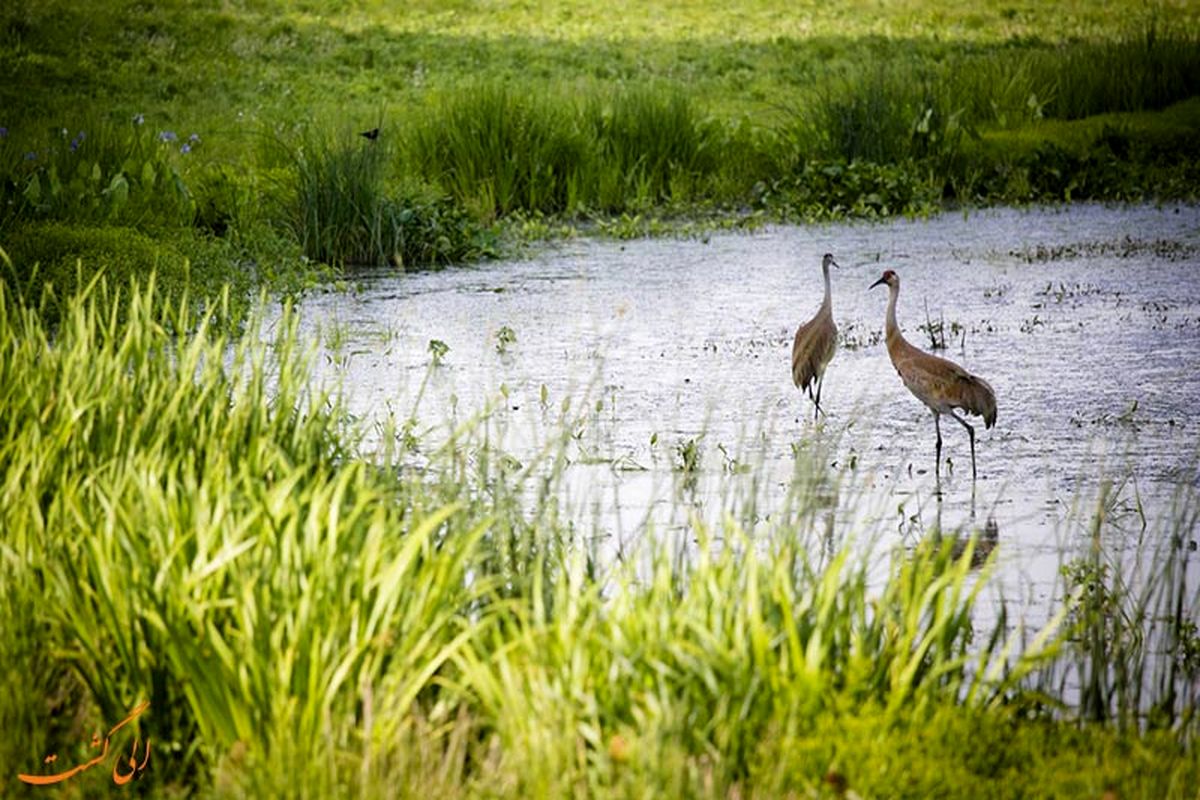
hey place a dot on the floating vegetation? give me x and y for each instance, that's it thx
(1125, 247)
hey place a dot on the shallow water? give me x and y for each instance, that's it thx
(1085, 320)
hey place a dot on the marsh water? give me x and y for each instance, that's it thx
(675, 353)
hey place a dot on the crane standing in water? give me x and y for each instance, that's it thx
(940, 384)
(815, 343)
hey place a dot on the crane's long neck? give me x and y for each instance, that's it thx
(827, 303)
(892, 330)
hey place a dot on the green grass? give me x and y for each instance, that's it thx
(338, 206)
(284, 61)
(498, 153)
(188, 521)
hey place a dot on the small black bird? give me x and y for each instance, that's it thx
(372, 134)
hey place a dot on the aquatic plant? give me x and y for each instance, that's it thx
(438, 350)
(505, 338)
(1133, 641)
(106, 174)
(497, 151)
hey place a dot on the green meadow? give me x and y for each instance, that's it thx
(187, 520)
(226, 133)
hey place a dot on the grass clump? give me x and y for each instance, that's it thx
(198, 540)
(652, 147)
(501, 151)
(1145, 69)
(184, 263)
(497, 151)
(343, 210)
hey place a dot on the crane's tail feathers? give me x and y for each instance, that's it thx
(803, 375)
(978, 398)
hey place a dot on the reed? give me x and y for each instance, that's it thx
(346, 206)
(651, 146)
(498, 151)
(1133, 649)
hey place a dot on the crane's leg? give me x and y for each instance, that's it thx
(971, 434)
(937, 460)
(817, 410)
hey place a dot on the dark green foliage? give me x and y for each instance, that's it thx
(340, 207)
(651, 146)
(1147, 70)
(870, 116)
(832, 189)
(499, 152)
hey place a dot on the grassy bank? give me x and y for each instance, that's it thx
(188, 521)
(227, 134)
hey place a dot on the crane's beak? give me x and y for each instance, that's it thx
(831, 261)
(876, 283)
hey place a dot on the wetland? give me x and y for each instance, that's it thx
(462, 459)
(1085, 320)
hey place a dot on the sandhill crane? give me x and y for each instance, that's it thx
(940, 384)
(815, 343)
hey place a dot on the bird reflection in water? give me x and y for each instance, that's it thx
(986, 538)
(986, 541)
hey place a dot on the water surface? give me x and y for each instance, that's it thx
(1085, 320)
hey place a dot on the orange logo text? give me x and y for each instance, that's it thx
(119, 775)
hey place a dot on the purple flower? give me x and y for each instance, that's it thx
(138, 119)
(31, 156)
(78, 140)
(187, 148)
(3, 131)
(167, 136)
(194, 138)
